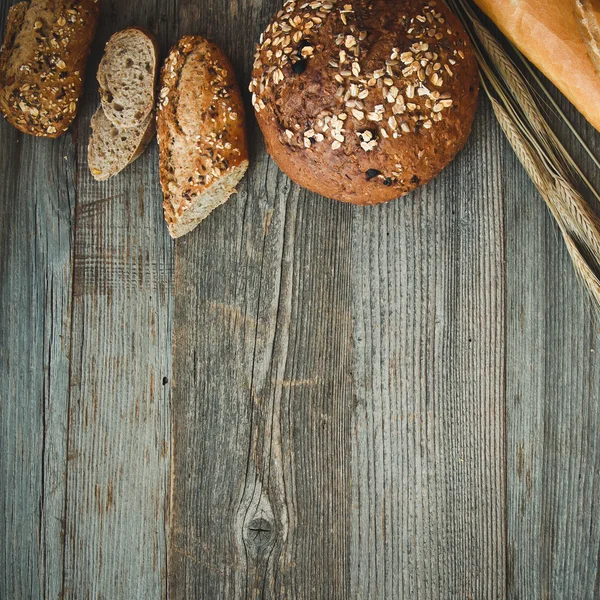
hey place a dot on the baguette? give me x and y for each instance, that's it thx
(547, 33)
(43, 61)
(588, 18)
(201, 134)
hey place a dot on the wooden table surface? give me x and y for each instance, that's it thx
(300, 399)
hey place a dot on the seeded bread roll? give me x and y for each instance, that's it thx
(201, 133)
(362, 101)
(42, 63)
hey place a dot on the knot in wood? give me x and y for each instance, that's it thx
(259, 532)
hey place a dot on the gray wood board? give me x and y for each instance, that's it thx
(338, 404)
(120, 416)
(552, 397)
(85, 417)
(399, 401)
(35, 296)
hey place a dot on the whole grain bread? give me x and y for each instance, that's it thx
(201, 133)
(127, 76)
(112, 148)
(43, 61)
(364, 101)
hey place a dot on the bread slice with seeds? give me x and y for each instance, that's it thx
(201, 133)
(112, 148)
(127, 76)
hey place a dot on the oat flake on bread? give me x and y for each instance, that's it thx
(364, 101)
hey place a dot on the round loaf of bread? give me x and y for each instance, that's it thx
(364, 100)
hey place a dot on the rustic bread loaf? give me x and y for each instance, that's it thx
(588, 18)
(201, 133)
(127, 76)
(364, 100)
(112, 148)
(43, 61)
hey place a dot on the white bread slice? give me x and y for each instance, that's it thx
(112, 148)
(201, 133)
(127, 76)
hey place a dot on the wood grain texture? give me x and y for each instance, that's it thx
(392, 402)
(262, 370)
(119, 413)
(552, 399)
(428, 479)
(401, 357)
(37, 189)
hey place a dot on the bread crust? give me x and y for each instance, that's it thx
(546, 32)
(42, 67)
(103, 84)
(588, 19)
(361, 102)
(200, 125)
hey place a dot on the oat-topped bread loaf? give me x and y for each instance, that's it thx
(43, 61)
(201, 133)
(364, 100)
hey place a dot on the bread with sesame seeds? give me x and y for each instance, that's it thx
(201, 133)
(43, 61)
(364, 100)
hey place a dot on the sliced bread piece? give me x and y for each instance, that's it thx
(127, 76)
(112, 148)
(201, 133)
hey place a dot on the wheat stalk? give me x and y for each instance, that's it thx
(544, 158)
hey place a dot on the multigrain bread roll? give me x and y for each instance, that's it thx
(547, 33)
(43, 61)
(588, 19)
(201, 133)
(363, 101)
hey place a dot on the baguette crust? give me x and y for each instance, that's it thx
(547, 33)
(588, 18)
(200, 125)
(43, 61)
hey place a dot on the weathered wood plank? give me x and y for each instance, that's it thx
(119, 415)
(553, 400)
(263, 395)
(428, 452)
(36, 211)
(244, 506)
